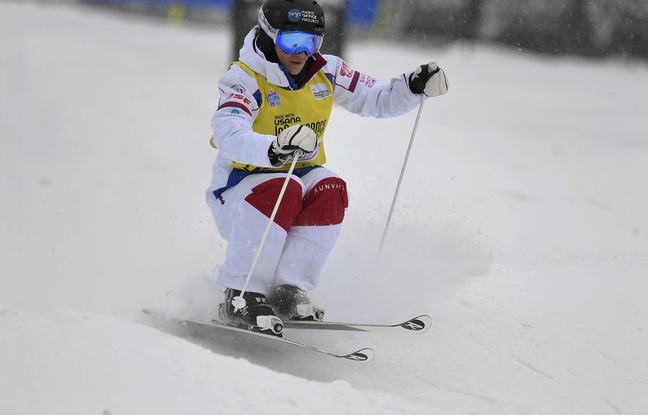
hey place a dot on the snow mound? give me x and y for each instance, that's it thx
(65, 361)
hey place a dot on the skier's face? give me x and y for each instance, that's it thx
(293, 63)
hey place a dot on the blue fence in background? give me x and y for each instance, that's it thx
(362, 11)
(359, 12)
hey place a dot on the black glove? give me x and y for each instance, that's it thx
(428, 79)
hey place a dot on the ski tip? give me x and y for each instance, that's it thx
(419, 324)
(363, 355)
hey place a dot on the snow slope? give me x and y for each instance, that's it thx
(520, 228)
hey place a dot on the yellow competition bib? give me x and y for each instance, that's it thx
(310, 105)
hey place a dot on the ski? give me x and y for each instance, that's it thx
(418, 324)
(362, 355)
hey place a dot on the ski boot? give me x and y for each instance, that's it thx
(252, 312)
(292, 303)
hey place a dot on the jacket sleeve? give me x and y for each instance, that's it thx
(366, 96)
(231, 124)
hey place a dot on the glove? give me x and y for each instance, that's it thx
(428, 79)
(291, 140)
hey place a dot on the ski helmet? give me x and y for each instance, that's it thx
(300, 15)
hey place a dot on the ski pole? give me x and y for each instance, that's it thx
(239, 302)
(402, 173)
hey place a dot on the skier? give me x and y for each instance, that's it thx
(275, 104)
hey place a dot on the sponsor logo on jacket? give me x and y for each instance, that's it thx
(282, 122)
(273, 98)
(320, 91)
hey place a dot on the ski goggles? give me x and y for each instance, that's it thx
(294, 42)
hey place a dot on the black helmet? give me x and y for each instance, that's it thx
(302, 15)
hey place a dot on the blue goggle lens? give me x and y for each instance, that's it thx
(294, 42)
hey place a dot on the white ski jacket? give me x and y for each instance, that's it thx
(240, 103)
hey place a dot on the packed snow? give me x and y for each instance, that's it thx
(520, 227)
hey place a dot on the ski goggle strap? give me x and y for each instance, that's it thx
(294, 42)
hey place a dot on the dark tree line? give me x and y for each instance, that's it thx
(588, 27)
